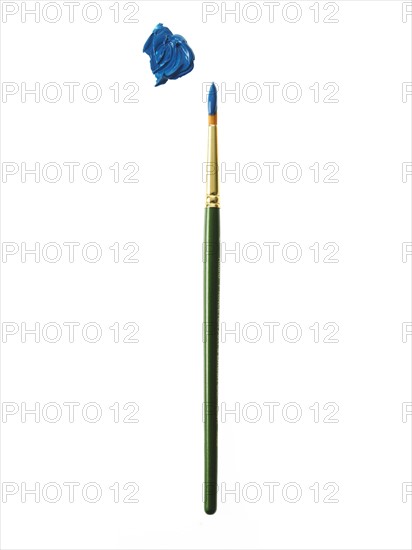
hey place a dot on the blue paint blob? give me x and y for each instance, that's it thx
(212, 100)
(170, 55)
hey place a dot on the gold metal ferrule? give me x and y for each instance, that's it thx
(212, 170)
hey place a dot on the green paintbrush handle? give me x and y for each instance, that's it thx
(211, 259)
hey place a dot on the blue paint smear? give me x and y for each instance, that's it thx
(212, 100)
(170, 55)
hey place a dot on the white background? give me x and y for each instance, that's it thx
(366, 132)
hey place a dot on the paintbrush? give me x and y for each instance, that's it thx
(211, 259)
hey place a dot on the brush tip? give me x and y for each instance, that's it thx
(212, 100)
